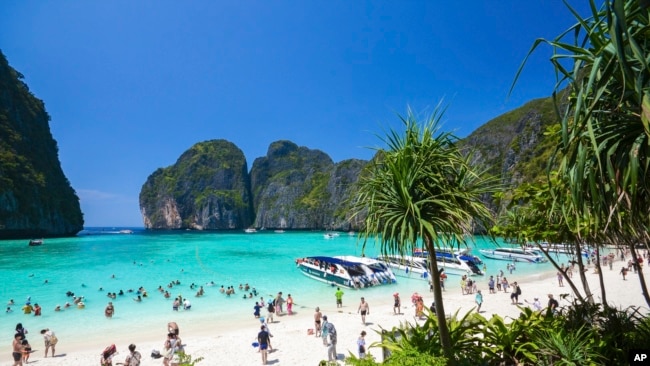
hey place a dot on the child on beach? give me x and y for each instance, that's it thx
(27, 350)
(361, 344)
(289, 305)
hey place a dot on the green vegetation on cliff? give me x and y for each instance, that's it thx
(207, 188)
(36, 198)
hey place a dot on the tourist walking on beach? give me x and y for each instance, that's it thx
(331, 346)
(263, 340)
(50, 340)
(491, 285)
(443, 277)
(364, 308)
(624, 272)
(278, 304)
(110, 310)
(317, 321)
(339, 297)
(361, 344)
(134, 357)
(17, 350)
(560, 279)
(270, 310)
(552, 305)
(397, 305)
(324, 330)
(479, 300)
(289, 305)
(516, 291)
(504, 284)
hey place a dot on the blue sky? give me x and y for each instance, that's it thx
(131, 85)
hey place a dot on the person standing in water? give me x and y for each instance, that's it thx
(339, 297)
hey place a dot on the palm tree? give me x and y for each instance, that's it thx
(604, 153)
(422, 189)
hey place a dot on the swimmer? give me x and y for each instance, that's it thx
(46, 281)
(67, 305)
(11, 302)
(57, 308)
(9, 310)
(138, 299)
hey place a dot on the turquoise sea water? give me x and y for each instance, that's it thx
(265, 260)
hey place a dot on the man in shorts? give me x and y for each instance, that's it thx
(339, 297)
(263, 340)
(17, 351)
(317, 320)
(364, 309)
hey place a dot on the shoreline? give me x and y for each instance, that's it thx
(218, 339)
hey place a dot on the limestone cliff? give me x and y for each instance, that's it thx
(36, 199)
(208, 188)
(294, 187)
(290, 187)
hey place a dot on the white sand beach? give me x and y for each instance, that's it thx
(231, 343)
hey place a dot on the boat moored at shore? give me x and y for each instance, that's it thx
(513, 255)
(346, 271)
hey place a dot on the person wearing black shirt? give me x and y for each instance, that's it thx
(552, 304)
(263, 340)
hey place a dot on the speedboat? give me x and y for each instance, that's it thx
(407, 266)
(347, 271)
(250, 230)
(330, 235)
(35, 242)
(513, 255)
(562, 248)
(456, 261)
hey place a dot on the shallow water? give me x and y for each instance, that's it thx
(86, 263)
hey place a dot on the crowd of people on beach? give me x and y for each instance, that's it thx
(267, 310)
(22, 350)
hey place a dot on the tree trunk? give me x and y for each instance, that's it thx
(445, 338)
(583, 278)
(603, 292)
(568, 280)
(644, 287)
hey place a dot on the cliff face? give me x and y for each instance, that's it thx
(289, 186)
(294, 187)
(36, 199)
(208, 188)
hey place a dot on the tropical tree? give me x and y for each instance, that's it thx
(604, 153)
(422, 189)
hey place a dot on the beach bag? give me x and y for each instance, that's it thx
(271, 308)
(518, 290)
(54, 340)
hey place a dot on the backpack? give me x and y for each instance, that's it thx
(271, 308)
(518, 290)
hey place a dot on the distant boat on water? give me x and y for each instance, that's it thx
(35, 242)
(250, 230)
(513, 254)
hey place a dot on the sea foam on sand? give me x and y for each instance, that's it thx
(230, 343)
